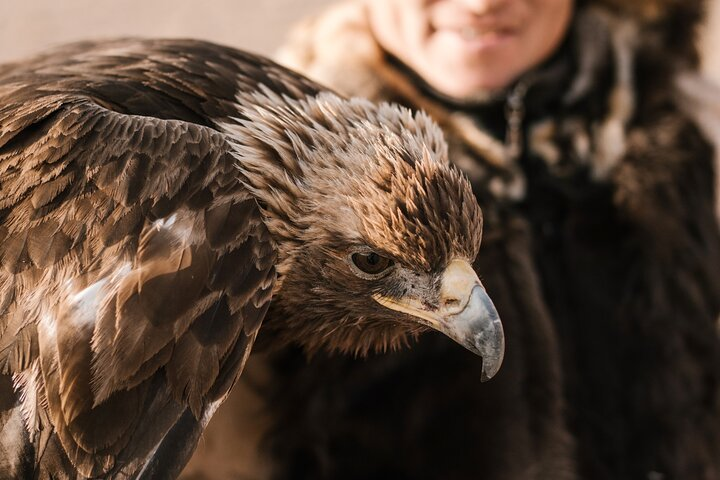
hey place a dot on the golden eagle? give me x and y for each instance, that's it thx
(157, 198)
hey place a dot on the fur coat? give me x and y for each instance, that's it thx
(601, 250)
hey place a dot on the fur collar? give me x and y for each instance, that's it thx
(670, 26)
(633, 41)
(336, 47)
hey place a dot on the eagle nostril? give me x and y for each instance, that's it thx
(451, 302)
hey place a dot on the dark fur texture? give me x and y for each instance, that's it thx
(602, 254)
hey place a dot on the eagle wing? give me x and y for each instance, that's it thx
(135, 271)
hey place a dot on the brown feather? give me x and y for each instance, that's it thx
(157, 199)
(83, 186)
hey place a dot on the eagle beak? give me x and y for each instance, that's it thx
(466, 314)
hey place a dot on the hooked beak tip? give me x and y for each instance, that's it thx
(479, 329)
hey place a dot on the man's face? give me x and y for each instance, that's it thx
(466, 48)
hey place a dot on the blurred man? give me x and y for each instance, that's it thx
(598, 198)
(601, 250)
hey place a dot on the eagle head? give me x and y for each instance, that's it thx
(376, 230)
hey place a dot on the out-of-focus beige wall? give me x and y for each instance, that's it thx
(28, 26)
(710, 42)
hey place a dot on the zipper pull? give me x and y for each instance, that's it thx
(514, 116)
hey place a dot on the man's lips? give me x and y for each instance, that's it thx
(476, 36)
(473, 32)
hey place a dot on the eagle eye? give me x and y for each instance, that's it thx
(371, 263)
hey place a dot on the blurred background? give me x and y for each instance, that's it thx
(32, 25)
(711, 41)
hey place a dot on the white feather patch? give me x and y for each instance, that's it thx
(48, 327)
(85, 303)
(165, 222)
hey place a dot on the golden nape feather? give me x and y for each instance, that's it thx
(160, 200)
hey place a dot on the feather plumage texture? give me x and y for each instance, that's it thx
(119, 229)
(155, 197)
